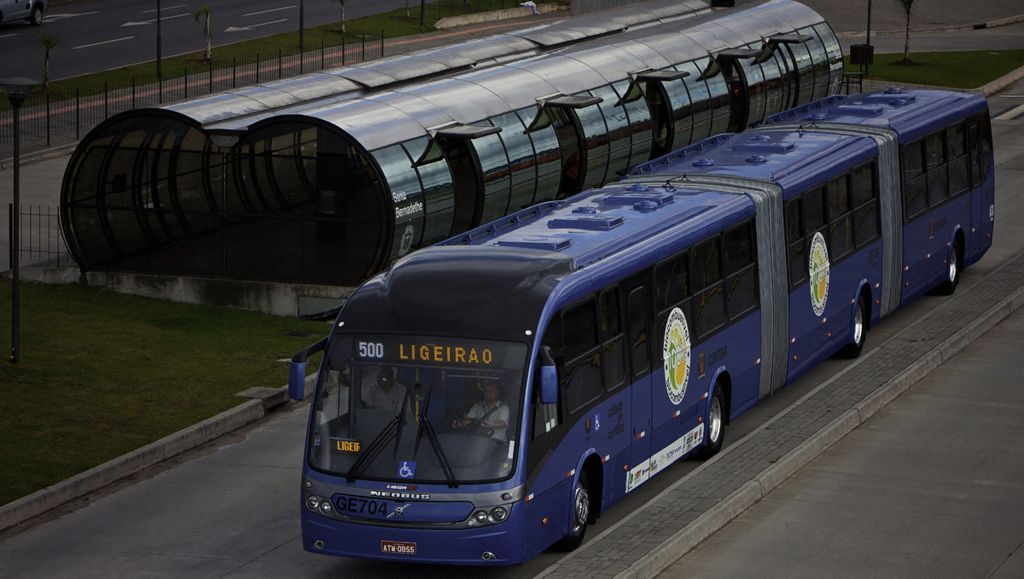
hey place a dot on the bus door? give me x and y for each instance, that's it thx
(651, 86)
(739, 86)
(561, 112)
(454, 143)
(637, 334)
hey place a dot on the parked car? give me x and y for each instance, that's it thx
(29, 10)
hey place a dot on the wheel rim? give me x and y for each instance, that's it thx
(581, 508)
(715, 420)
(953, 268)
(858, 325)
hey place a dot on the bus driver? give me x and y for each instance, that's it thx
(490, 414)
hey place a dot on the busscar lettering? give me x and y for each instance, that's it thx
(439, 354)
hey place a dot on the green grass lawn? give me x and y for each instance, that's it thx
(948, 69)
(103, 373)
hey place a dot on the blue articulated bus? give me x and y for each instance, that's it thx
(488, 397)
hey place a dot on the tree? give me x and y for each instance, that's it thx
(48, 43)
(205, 13)
(907, 6)
(342, 3)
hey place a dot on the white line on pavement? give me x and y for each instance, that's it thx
(8, 35)
(289, 7)
(65, 16)
(1019, 109)
(266, 23)
(153, 10)
(104, 42)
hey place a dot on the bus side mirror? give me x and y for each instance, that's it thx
(548, 377)
(297, 370)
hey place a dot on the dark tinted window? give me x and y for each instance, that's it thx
(739, 248)
(813, 210)
(797, 263)
(705, 264)
(838, 197)
(913, 159)
(862, 184)
(709, 311)
(935, 150)
(865, 223)
(637, 316)
(580, 329)
(741, 292)
(670, 282)
(956, 137)
(609, 313)
(917, 202)
(793, 220)
(582, 382)
(841, 237)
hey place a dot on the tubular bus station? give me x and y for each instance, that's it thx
(329, 177)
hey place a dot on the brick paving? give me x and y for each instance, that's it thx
(681, 504)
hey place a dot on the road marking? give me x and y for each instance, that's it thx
(1011, 96)
(289, 7)
(65, 16)
(1010, 114)
(251, 26)
(147, 22)
(104, 42)
(8, 35)
(164, 8)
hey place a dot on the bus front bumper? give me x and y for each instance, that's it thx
(498, 544)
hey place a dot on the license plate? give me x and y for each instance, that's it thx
(397, 548)
(363, 507)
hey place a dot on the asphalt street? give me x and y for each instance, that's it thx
(96, 35)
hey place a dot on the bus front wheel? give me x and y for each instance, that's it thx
(580, 514)
(953, 268)
(860, 330)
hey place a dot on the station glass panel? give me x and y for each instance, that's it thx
(548, 157)
(521, 160)
(682, 112)
(406, 196)
(801, 58)
(835, 55)
(820, 60)
(773, 85)
(640, 125)
(595, 143)
(438, 194)
(617, 121)
(700, 95)
(494, 164)
(755, 88)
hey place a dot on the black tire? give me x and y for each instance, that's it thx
(36, 18)
(861, 320)
(581, 515)
(715, 423)
(953, 269)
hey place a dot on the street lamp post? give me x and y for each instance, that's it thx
(17, 90)
(867, 39)
(159, 57)
(302, 35)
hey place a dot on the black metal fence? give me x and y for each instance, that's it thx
(57, 117)
(41, 240)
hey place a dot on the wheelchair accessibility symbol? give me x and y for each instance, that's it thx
(407, 469)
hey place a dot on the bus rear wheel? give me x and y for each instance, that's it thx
(715, 424)
(580, 515)
(859, 330)
(952, 279)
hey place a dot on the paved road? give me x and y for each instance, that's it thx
(95, 35)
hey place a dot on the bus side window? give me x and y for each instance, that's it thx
(935, 162)
(956, 140)
(839, 229)
(636, 311)
(740, 270)
(795, 239)
(915, 201)
(610, 326)
(864, 199)
(708, 287)
(581, 374)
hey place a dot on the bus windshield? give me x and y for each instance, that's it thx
(418, 409)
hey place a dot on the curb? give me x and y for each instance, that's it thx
(496, 15)
(753, 491)
(1006, 21)
(40, 155)
(987, 89)
(126, 465)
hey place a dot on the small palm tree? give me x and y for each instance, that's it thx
(205, 13)
(342, 4)
(48, 43)
(907, 6)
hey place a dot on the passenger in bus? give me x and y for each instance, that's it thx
(381, 390)
(488, 417)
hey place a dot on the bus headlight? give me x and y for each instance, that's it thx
(326, 507)
(480, 517)
(498, 514)
(313, 502)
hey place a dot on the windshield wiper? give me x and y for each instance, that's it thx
(378, 443)
(425, 426)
